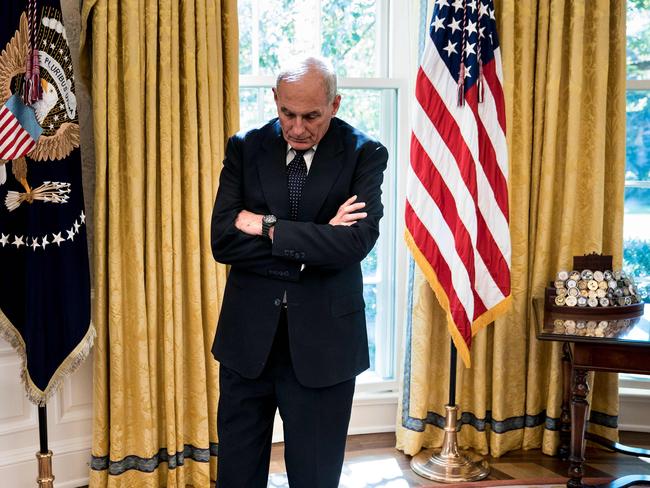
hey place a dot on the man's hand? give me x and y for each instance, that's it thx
(249, 223)
(347, 214)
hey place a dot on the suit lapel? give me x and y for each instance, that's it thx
(272, 169)
(325, 168)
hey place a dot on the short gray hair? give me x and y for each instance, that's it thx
(300, 68)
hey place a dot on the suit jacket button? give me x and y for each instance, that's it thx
(277, 302)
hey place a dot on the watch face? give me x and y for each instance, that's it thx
(269, 219)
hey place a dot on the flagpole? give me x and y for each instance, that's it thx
(448, 464)
(44, 455)
(452, 375)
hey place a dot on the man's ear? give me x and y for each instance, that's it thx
(275, 94)
(335, 104)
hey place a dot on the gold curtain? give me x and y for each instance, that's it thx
(564, 70)
(164, 80)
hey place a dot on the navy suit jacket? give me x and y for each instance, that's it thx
(325, 305)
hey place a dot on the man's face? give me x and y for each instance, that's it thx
(304, 111)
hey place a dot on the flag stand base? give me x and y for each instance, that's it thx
(448, 464)
(45, 477)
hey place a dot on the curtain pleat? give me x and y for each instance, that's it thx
(164, 78)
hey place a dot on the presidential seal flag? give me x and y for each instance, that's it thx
(44, 275)
(457, 183)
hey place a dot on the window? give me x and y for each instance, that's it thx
(354, 35)
(636, 230)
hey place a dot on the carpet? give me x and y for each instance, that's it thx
(279, 480)
(525, 483)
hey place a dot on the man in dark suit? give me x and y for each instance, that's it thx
(297, 210)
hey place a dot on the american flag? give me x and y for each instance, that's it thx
(457, 183)
(19, 129)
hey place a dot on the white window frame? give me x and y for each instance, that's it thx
(634, 390)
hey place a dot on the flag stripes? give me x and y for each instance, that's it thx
(457, 208)
(15, 141)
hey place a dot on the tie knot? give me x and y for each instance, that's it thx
(299, 154)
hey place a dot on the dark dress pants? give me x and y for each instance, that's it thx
(315, 424)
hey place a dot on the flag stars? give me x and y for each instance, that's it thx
(4, 239)
(458, 5)
(70, 234)
(471, 28)
(469, 48)
(57, 239)
(451, 48)
(45, 242)
(18, 241)
(82, 217)
(442, 3)
(76, 227)
(52, 46)
(468, 69)
(454, 25)
(483, 10)
(438, 24)
(472, 5)
(492, 14)
(35, 243)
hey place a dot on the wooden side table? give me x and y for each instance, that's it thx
(618, 344)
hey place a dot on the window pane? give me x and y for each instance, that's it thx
(248, 108)
(362, 109)
(370, 297)
(638, 39)
(369, 266)
(636, 243)
(349, 36)
(638, 135)
(245, 15)
(274, 32)
(636, 231)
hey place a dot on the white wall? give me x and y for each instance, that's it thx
(69, 427)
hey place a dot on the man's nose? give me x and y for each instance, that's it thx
(298, 126)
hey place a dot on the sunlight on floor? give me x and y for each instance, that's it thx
(384, 473)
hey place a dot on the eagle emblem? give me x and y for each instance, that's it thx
(56, 109)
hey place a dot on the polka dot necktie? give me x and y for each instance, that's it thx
(296, 176)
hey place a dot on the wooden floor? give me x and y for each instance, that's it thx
(372, 461)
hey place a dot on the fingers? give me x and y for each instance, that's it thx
(347, 214)
(349, 201)
(355, 216)
(353, 207)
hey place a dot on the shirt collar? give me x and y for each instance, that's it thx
(313, 148)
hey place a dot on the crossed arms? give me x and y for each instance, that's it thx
(346, 239)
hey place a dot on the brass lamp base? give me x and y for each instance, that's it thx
(45, 477)
(448, 464)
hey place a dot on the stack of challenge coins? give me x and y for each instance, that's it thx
(588, 288)
(591, 328)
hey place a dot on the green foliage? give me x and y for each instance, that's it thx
(638, 39)
(369, 265)
(637, 136)
(636, 263)
(348, 35)
(370, 297)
